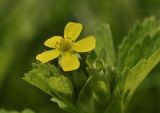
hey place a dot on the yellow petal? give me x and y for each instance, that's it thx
(48, 55)
(53, 41)
(72, 30)
(69, 62)
(85, 45)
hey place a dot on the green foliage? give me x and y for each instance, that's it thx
(104, 45)
(108, 82)
(54, 83)
(22, 33)
(139, 54)
(57, 84)
(141, 70)
(40, 75)
(141, 42)
(94, 96)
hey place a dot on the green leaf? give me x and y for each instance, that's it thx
(50, 80)
(140, 43)
(78, 78)
(115, 106)
(94, 96)
(63, 93)
(130, 80)
(94, 63)
(104, 44)
(40, 75)
(121, 82)
(138, 73)
(65, 105)
(90, 60)
(143, 50)
(61, 85)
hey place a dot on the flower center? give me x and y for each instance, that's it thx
(65, 45)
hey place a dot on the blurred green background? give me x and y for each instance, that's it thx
(26, 24)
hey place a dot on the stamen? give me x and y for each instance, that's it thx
(69, 38)
(57, 44)
(65, 45)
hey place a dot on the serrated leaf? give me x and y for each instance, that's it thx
(50, 80)
(138, 74)
(130, 80)
(104, 43)
(40, 75)
(62, 85)
(139, 43)
(142, 50)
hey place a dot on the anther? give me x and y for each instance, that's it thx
(68, 37)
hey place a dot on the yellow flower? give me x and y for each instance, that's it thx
(66, 48)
